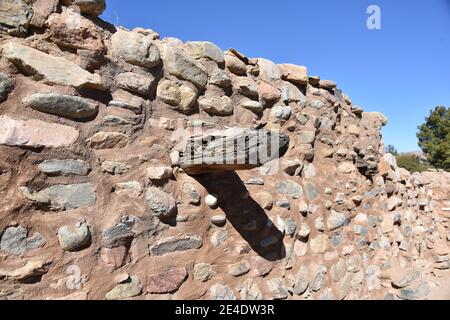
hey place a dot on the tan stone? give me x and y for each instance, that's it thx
(52, 70)
(294, 73)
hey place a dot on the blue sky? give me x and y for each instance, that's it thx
(402, 70)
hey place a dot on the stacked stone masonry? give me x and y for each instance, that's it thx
(94, 204)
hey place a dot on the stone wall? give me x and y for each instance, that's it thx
(93, 204)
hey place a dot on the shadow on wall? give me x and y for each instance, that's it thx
(245, 214)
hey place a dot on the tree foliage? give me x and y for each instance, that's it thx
(391, 149)
(410, 162)
(434, 137)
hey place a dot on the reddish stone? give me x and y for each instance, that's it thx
(114, 257)
(268, 93)
(166, 282)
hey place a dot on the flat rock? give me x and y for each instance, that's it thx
(35, 133)
(293, 73)
(216, 150)
(63, 197)
(50, 69)
(107, 140)
(62, 105)
(32, 268)
(56, 167)
(125, 290)
(166, 282)
(180, 242)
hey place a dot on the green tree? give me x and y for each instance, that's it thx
(410, 162)
(434, 137)
(391, 149)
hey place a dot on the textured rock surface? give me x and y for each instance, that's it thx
(63, 197)
(15, 16)
(96, 193)
(62, 105)
(51, 69)
(35, 133)
(90, 7)
(74, 239)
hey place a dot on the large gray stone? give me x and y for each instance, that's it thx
(135, 48)
(6, 86)
(121, 234)
(14, 241)
(15, 16)
(64, 167)
(74, 239)
(176, 243)
(290, 188)
(184, 67)
(52, 70)
(62, 105)
(63, 197)
(161, 203)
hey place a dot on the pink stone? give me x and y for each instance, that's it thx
(114, 257)
(166, 282)
(268, 93)
(35, 133)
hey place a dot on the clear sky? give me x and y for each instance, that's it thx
(402, 70)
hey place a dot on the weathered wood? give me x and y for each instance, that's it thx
(231, 149)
